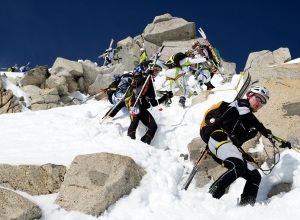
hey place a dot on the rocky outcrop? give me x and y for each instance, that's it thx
(95, 181)
(267, 58)
(9, 103)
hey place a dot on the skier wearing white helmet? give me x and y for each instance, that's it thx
(238, 124)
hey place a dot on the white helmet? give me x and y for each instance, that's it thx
(261, 90)
(157, 63)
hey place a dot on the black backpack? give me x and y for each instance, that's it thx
(212, 120)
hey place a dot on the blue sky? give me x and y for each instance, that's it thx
(39, 31)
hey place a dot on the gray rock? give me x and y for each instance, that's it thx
(35, 180)
(36, 76)
(67, 68)
(14, 206)
(95, 181)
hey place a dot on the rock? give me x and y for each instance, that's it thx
(35, 180)
(14, 206)
(95, 181)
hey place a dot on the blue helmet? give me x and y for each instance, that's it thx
(139, 69)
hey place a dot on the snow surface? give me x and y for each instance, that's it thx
(58, 135)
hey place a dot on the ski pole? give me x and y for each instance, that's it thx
(160, 109)
(93, 96)
(141, 90)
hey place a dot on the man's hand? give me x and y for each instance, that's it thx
(169, 94)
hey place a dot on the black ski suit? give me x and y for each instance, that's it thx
(146, 100)
(237, 124)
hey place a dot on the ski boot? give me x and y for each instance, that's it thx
(209, 86)
(182, 100)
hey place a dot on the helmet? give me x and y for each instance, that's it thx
(158, 63)
(139, 69)
(261, 91)
(189, 53)
(142, 49)
(195, 44)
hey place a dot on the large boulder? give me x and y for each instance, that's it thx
(67, 68)
(14, 206)
(267, 58)
(168, 28)
(36, 76)
(35, 180)
(90, 73)
(95, 181)
(58, 82)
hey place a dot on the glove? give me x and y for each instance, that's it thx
(134, 110)
(286, 144)
(149, 72)
(169, 94)
(267, 133)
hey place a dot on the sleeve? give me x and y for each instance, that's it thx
(143, 57)
(153, 102)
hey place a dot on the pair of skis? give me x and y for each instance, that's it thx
(246, 85)
(215, 57)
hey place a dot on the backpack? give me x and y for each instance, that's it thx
(173, 61)
(120, 83)
(212, 120)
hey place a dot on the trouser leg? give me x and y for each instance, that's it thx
(150, 123)
(253, 179)
(236, 168)
(135, 119)
(115, 109)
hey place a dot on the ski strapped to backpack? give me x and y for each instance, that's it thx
(212, 117)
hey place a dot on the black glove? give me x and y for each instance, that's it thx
(149, 72)
(267, 133)
(286, 144)
(169, 94)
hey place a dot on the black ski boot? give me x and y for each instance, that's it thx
(247, 200)
(209, 86)
(146, 139)
(182, 100)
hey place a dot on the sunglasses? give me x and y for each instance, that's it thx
(260, 100)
